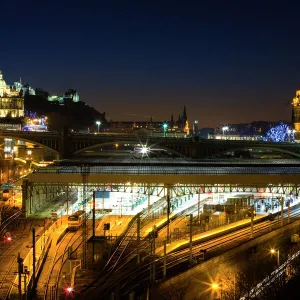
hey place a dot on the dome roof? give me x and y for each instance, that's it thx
(2, 83)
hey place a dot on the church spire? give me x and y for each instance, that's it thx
(184, 115)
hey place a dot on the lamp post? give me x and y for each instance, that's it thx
(217, 288)
(273, 251)
(293, 135)
(165, 126)
(98, 124)
(224, 129)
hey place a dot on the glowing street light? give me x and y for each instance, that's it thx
(145, 150)
(98, 123)
(291, 135)
(165, 126)
(273, 251)
(224, 129)
(215, 286)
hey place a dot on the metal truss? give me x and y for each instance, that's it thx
(52, 189)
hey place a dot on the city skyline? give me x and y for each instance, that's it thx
(226, 63)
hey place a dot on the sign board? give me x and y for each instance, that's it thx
(102, 194)
(104, 210)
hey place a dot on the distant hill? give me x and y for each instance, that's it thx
(74, 115)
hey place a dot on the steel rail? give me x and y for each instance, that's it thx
(54, 262)
(183, 255)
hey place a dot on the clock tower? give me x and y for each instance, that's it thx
(296, 112)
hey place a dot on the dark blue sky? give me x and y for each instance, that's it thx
(227, 61)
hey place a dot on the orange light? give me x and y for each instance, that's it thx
(214, 286)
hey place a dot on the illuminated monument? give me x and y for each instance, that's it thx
(296, 114)
(70, 95)
(11, 101)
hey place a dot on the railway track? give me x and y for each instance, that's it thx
(182, 256)
(141, 275)
(60, 256)
(52, 287)
(8, 253)
(128, 237)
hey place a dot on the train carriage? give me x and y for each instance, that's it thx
(75, 220)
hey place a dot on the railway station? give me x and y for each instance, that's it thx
(172, 198)
(137, 182)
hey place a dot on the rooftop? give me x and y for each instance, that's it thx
(174, 167)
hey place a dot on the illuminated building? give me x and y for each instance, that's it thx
(243, 131)
(296, 114)
(69, 96)
(18, 86)
(35, 123)
(179, 128)
(11, 101)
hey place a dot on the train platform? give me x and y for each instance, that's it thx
(204, 235)
(54, 232)
(117, 225)
(263, 208)
(163, 218)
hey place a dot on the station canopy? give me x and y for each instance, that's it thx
(265, 171)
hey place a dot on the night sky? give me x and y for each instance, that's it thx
(227, 61)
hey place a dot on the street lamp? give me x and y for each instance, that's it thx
(273, 251)
(98, 124)
(165, 126)
(217, 288)
(224, 129)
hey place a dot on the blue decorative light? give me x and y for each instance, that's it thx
(280, 133)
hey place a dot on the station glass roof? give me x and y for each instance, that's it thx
(174, 167)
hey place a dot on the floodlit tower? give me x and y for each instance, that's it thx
(296, 114)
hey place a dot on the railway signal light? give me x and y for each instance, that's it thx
(69, 290)
(7, 238)
(107, 226)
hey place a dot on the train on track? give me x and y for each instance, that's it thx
(75, 220)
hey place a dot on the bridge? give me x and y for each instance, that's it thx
(68, 145)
